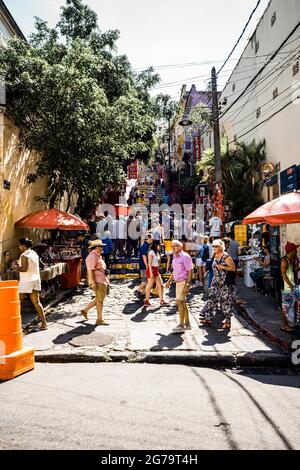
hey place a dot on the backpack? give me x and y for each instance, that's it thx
(205, 254)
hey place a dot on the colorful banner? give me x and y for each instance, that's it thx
(197, 148)
(133, 170)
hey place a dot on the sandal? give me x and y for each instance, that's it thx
(163, 302)
(287, 329)
(84, 314)
(205, 322)
(101, 322)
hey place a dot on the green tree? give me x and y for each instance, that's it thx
(200, 116)
(77, 103)
(241, 174)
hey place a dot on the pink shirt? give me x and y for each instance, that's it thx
(94, 262)
(182, 264)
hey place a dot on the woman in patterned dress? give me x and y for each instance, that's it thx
(221, 292)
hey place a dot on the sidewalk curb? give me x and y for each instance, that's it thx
(218, 360)
(246, 312)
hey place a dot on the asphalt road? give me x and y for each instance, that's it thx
(142, 406)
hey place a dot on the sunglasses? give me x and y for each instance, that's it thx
(216, 246)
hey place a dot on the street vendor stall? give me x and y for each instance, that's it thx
(282, 211)
(62, 263)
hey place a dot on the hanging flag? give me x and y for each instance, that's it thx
(132, 170)
(197, 148)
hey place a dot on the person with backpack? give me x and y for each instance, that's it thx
(221, 293)
(201, 258)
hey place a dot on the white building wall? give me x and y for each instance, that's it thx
(281, 131)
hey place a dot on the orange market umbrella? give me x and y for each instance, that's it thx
(283, 210)
(51, 219)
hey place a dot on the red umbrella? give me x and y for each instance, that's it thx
(51, 219)
(283, 210)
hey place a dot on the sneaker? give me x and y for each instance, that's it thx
(179, 329)
(163, 302)
(147, 303)
(188, 327)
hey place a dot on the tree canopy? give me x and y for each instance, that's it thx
(78, 103)
(241, 168)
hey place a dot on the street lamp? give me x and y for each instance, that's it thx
(185, 121)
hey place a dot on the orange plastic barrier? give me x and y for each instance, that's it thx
(14, 359)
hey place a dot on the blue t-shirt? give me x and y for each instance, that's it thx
(143, 251)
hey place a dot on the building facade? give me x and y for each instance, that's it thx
(17, 197)
(262, 99)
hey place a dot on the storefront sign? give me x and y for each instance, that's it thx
(272, 181)
(289, 180)
(197, 148)
(132, 170)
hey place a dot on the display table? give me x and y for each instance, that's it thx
(52, 271)
(249, 265)
(73, 275)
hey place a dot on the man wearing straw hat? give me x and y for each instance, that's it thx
(97, 279)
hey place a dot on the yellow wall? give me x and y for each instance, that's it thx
(15, 165)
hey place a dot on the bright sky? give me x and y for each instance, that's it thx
(175, 33)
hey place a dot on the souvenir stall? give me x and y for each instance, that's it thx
(59, 255)
(279, 212)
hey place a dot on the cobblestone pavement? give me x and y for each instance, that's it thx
(133, 328)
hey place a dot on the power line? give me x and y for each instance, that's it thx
(261, 106)
(178, 82)
(283, 60)
(207, 62)
(263, 122)
(250, 66)
(261, 70)
(240, 37)
(284, 67)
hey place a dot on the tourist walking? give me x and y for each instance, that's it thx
(97, 279)
(153, 275)
(143, 264)
(30, 279)
(183, 275)
(221, 292)
(201, 258)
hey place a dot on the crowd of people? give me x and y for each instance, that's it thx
(216, 261)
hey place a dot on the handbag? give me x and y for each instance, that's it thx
(230, 278)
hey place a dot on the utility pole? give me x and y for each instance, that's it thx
(219, 209)
(215, 115)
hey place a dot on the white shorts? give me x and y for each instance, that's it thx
(200, 262)
(169, 252)
(26, 287)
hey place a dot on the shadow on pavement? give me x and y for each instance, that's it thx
(79, 331)
(132, 307)
(170, 341)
